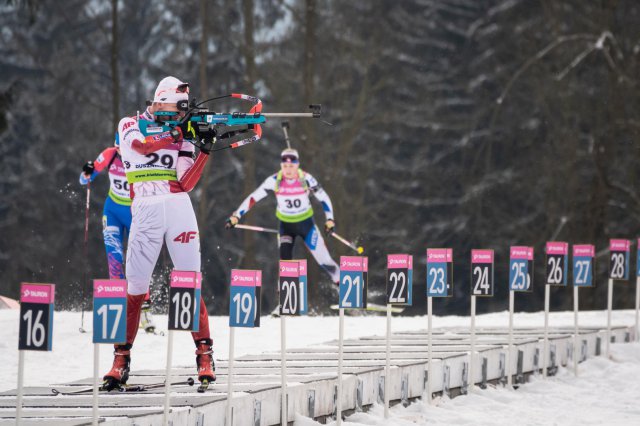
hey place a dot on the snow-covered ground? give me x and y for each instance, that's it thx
(607, 392)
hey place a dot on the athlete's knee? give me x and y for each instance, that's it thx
(137, 287)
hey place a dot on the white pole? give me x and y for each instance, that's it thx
(609, 306)
(575, 336)
(637, 308)
(283, 370)
(232, 333)
(429, 339)
(508, 366)
(20, 383)
(387, 370)
(545, 348)
(339, 393)
(473, 344)
(96, 367)
(167, 387)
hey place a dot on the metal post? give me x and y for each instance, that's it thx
(20, 385)
(388, 365)
(232, 333)
(609, 307)
(283, 370)
(472, 355)
(575, 337)
(545, 355)
(508, 366)
(340, 348)
(167, 387)
(429, 342)
(96, 373)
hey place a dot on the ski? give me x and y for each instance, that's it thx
(376, 308)
(124, 388)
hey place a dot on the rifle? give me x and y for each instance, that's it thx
(205, 124)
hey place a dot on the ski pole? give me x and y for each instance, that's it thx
(257, 228)
(347, 243)
(85, 253)
(285, 128)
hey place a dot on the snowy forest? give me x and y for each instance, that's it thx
(449, 123)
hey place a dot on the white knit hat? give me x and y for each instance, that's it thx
(171, 90)
(288, 155)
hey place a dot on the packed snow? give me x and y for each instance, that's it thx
(606, 392)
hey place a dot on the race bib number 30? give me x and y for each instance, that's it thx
(520, 268)
(399, 279)
(583, 265)
(36, 316)
(439, 272)
(109, 311)
(556, 263)
(619, 260)
(244, 298)
(482, 273)
(184, 300)
(353, 282)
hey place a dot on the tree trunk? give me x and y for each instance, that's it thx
(249, 154)
(115, 77)
(308, 77)
(204, 56)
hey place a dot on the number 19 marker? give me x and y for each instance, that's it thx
(244, 298)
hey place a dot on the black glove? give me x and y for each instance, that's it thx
(206, 145)
(188, 132)
(88, 168)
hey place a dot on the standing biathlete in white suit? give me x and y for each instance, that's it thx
(160, 170)
(292, 187)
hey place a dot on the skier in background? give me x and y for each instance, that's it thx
(160, 169)
(292, 187)
(116, 217)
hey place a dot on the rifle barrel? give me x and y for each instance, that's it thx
(290, 114)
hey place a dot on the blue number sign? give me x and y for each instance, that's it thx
(109, 311)
(439, 272)
(244, 298)
(353, 282)
(583, 264)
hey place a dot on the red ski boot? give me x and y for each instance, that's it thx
(119, 373)
(205, 364)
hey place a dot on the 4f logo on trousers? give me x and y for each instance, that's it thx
(185, 237)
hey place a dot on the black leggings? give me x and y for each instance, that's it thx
(288, 233)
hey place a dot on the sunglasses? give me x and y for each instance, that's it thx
(289, 159)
